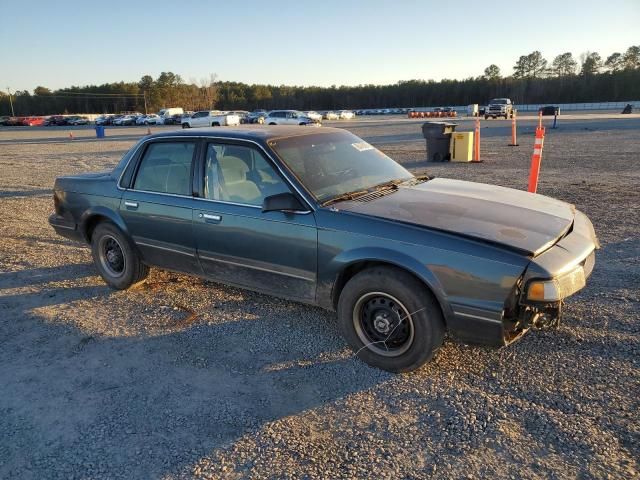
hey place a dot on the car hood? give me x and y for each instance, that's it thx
(512, 218)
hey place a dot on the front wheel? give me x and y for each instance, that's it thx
(486, 117)
(390, 319)
(272, 123)
(116, 258)
(185, 125)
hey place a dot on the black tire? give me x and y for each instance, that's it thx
(185, 125)
(506, 116)
(272, 123)
(388, 341)
(215, 124)
(116, 258)
(486, 117)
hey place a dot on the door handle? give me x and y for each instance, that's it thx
(210, 218)
(130, 204)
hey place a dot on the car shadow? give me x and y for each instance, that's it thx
(146, 405)
(25, 193)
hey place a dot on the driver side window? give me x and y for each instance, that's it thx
(239, 174)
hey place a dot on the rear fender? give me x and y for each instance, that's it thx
(88, 218)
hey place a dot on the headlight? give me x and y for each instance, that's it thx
(558, 288)
(543, 291)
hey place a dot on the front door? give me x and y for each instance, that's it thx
(238, 244)
(157, 209)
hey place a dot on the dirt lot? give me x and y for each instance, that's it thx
(183, 378)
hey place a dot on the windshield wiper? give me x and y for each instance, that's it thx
(344, 196)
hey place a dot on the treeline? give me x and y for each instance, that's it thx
(534, 80)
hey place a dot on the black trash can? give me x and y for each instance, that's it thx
(438, 136)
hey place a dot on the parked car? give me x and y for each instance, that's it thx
(345, 115)
(32, 121)
(210, 118)
(79, 121)
(499, 107)
(173, 119)
(4, 119)
(549, 110)
(105, 120)
(168, 113)
(242, 115)
(257, 116)
(149, 119)
(330, 115)
(289, 117)
(55, 120)
(313, 115)
(320, 216)
(125, 120)
(14, 121)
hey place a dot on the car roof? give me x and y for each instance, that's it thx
(250, 132)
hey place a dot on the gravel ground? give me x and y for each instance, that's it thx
(183, 378)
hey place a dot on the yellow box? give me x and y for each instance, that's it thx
(461, 147)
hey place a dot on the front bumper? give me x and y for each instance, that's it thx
(564, 268)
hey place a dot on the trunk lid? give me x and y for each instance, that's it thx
(512, 218)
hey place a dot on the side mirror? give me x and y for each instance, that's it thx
(282, 202)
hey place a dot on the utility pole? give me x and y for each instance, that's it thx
(144, 94)
(11, 103)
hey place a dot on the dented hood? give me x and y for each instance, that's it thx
(513, 218)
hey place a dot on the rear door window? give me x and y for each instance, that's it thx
(166, 168)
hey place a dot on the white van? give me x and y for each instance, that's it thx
(169, 112)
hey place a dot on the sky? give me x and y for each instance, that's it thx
(326, 42)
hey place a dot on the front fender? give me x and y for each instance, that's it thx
(348, 258)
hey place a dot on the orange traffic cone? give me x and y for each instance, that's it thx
(536, 159)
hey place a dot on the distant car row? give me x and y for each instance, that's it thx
(177, 116)
(43, 121)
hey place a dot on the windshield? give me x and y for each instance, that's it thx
(333, 164)
(499, 101)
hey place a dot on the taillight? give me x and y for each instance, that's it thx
(56, 203)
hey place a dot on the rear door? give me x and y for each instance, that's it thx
(237, 243)
(157, 206)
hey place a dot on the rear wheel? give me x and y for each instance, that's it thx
(390, 319)
(486, 117)
(185, 125)
(116, 258)
(272, 123)
(215, 124)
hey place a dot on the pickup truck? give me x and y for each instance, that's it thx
(499, 107)
(210, 118)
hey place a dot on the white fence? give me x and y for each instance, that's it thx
(533, 107)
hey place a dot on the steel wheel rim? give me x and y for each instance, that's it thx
(383, 324)
(112, 257)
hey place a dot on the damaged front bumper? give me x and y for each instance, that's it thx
(550, 278)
